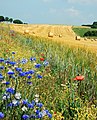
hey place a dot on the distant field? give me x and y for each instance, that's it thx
(82, 30)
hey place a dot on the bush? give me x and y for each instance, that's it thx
(1, 18)
(90, 33)
(18, 22)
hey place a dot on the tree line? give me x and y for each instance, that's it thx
(94, 25)
(11, 20)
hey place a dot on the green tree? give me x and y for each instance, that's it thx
(10, 20)
(18, 21)
(7, 19)
(1, 19)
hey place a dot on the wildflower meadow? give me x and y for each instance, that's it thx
(41, 79)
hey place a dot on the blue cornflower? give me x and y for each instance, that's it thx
(27, 73)
(6, 96)
(39, 76)
(30, 105)
(18, 69)
(25, 102)
(32, 59)
(13, 52)
(45, 63)
(29, 77)
(10, 105)
(37, 112)
(24, 61)
(7, 83)
(37, 65)
(1, 115)
(39, 115)
(49, 115)
(1, 77)
(33, 102)
(1, 59)
(33, 116)
(21, 74)
(10, 90)
(1, 67)
(10, 72)
(12, 63)
(29, 82)
(31, 71)
(25, 117)
(39, 105)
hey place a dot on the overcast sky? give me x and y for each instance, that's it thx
(69, 12)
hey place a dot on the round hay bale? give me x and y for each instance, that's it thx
(85, 38)
(26, 32)
(60, 35)
(50, 34)
(78, 38)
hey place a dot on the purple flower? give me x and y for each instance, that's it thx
(1, 115)
(49, 115)
(13, 52)
(25, 117)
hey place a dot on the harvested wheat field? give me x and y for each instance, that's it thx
(61, 33)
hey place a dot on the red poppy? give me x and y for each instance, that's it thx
(41, 59)
(79, 78)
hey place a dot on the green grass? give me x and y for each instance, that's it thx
(82, 31)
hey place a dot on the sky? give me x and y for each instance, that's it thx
(68, 12)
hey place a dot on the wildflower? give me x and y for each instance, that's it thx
(25, 117)
(6, 96)
(31, 71)
(36, 100)
(1, 67)
(39, 76)
(24, 61)
(21, 74)
(18, 69)
(1, 115)
(13, 52)
(10, 72)
(49, 115)
(24, 108)
(10, 90)
(36, 96)
(45, 63)
(29, 82)
(32, 59)
(1, 59)
(41, 59)
(37, 112)
(15, 102)
(18, 96)
(30, 105)
(5, 82)
(1, 77)
(25, 102)
(29, 77)
(79, 78)
(39, 105)
(39, 115)
(37, 65)
(12, 63)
